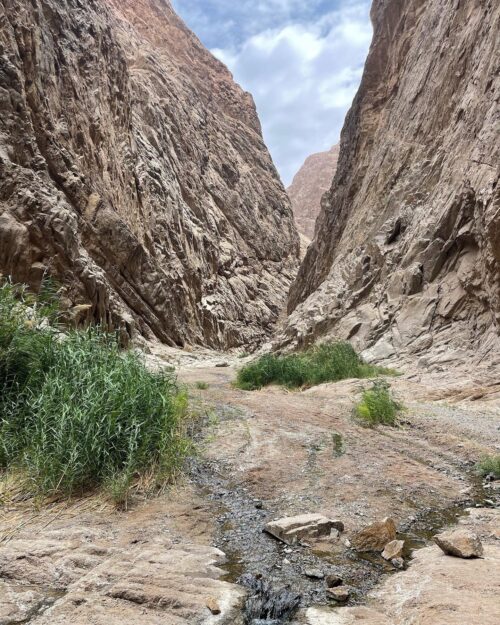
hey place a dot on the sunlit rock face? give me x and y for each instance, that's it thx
(406, 256)
(133, 169)
(309, 185)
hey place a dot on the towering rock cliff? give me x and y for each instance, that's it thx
(133, 169)
(407, 249)
(309, 185)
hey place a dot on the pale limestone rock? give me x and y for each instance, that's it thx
(393, 550)
(291, 530)
(460, 543)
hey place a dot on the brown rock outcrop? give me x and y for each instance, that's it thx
(133, 169)
(309, 185)
(376, 536)
(406, 255)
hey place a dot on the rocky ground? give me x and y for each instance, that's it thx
(265, 455)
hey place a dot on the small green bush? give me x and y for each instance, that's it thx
(328, 362)
(378, 406)
(202, 386)
(75, 410)
(489, 465)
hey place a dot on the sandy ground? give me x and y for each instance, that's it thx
(292, 452)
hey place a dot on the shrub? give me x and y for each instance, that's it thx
(489, 465)
(328, 362)
(75, 410)
(202, 386)
(378, 405)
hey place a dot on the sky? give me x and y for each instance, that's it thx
(301, 60)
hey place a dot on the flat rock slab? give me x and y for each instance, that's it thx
(291, 530)
(460, 543)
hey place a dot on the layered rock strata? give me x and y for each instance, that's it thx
(133, 170)
(406, 257)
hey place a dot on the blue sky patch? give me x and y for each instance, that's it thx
(302, 61)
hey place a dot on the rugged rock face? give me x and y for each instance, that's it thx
(133, 169)
(407, 249)
(309, 185)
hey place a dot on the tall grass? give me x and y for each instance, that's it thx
(76, 411)
(378, 406)
(328, 362)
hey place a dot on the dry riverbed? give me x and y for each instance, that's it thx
(265, 455)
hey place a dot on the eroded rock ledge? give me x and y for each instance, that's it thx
(133, 169)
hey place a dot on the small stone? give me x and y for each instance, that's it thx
(332, 580)
(341, 595)
(460, 543)
(213, 605)
(314, 573)
(221, 365)
(393, 550)
(258, 504)
(376, 536)
(398, 563)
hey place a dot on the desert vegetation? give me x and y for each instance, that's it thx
(328, 362)
(489, 465)
(202, 386)
(76, 411)
(378, 406)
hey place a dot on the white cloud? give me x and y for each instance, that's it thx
(302, 62)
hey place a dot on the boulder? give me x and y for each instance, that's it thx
(460, 543)
(333, 580)
(291, 530)
(393, 550)
(376, 536)
(341, 595)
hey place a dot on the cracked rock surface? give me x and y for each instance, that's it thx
(133, 170)
(406, 257)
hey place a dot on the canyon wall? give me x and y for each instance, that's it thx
(406, 257)
(309, 185)
(133, 170)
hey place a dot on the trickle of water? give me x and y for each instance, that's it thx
(267, 606)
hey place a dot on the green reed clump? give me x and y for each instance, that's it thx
(328, 362)
(75, 410)
(489, 465)
(378, 406)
